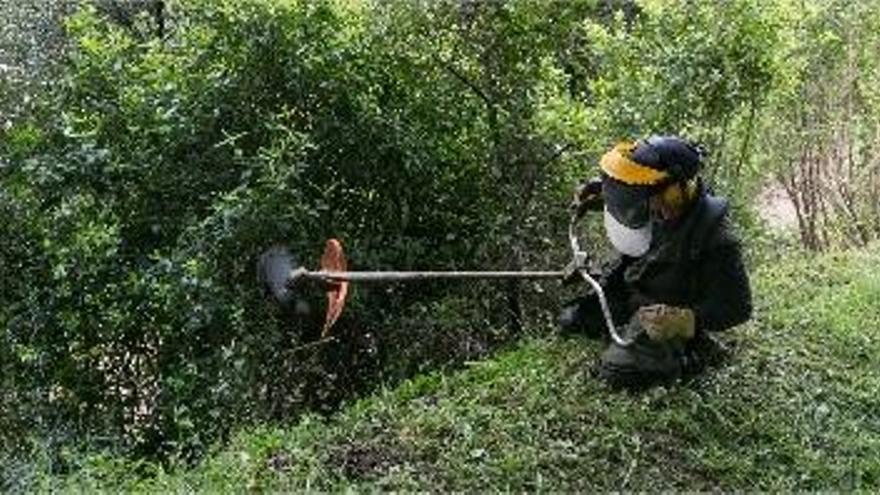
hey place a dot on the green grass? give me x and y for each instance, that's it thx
(796, 408)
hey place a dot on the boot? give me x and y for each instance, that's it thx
(642, 364)
(702, 352)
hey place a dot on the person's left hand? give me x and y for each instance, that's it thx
(663, 322)
(587, 196)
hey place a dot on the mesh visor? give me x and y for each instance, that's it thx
(626, 203)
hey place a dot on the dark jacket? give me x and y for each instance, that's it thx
(693, 262)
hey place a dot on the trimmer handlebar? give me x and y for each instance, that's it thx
(579, 261)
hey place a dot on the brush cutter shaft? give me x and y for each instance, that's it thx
(416, 276)
(280, 275)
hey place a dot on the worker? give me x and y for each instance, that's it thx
(679, 274)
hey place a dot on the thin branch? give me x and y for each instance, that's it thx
(467, 82)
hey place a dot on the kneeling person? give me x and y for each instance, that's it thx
(680, 272)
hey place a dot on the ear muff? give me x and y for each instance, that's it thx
(678, 194)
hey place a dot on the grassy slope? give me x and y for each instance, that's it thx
(798, 407)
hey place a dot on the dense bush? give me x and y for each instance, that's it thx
(170, 164)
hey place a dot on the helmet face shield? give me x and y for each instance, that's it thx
(634, 171)
(629, 205)
(628, 241)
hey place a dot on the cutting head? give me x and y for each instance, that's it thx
(281, 277)
(273, 272)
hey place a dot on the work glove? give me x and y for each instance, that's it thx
(663, 323)
(587, 196)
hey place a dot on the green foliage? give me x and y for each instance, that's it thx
(819, 131)
(168, 164)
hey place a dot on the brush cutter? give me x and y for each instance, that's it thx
(282, 277)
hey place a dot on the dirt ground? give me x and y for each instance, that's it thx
(775, 207)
